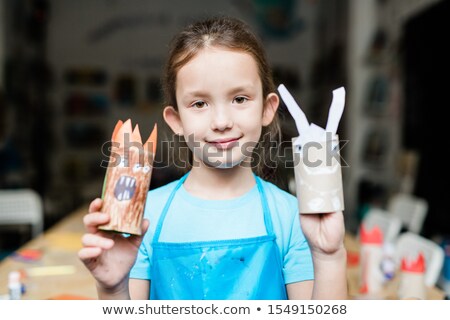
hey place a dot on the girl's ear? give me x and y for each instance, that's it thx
(270, 108)
(172, 118)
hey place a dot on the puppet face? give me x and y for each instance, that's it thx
(318, 180)
(130, 173)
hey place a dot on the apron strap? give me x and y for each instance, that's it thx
(265, 207)
(166, 208)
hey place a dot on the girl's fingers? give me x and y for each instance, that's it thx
(93, 220)
(94, 240)
(95, 205)
(145, 225)
(89, 253)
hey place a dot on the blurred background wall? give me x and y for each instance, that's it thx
(70, 69)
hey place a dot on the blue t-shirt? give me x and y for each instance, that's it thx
(194, 219)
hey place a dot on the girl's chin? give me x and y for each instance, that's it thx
(227, 165)
(220, 164)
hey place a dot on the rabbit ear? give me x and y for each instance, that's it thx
(116, 129)
(136, 135)
(336, 109)
(301, 122)
(153, 138)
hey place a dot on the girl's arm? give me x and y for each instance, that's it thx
(325, 235)
(300, 290)
(135, 289)
(330, 276)
(139, 289)
(330, 284)
(119, 293)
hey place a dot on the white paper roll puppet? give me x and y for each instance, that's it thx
(371, 255)
(412, 278)
(127, 178)
(317, 166)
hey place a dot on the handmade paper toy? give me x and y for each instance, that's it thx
(127, 178)
(412, 281)
(371, 275)
(317, 166)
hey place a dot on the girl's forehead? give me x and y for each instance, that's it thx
(221, 55)
(217, 64)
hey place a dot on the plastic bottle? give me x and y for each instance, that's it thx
(388, 265)
(14, 286)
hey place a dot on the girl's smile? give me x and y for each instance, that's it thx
(225, 143)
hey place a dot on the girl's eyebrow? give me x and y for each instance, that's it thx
(196, 94)
(243, 88)
(235, 90)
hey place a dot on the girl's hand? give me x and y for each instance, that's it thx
(324, 232)
(108, 256)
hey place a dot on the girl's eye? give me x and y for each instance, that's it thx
(199, 104)
(240, 100)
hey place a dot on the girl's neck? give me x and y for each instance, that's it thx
(219, 184)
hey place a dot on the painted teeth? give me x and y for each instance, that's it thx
(125, 188)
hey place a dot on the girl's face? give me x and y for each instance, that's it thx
(221, 108)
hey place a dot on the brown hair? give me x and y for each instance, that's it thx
(232, 34)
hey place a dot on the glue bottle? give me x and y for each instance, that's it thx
(388, 265)
(14, 285)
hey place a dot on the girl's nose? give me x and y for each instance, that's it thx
(221, 119)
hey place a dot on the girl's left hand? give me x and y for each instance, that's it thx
(324, 232)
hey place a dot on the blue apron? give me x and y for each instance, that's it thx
(248, 268)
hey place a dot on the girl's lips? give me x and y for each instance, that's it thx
(225, 143)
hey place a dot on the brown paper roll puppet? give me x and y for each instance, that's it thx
(127, 178)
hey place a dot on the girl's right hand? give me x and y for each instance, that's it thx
(108, 256)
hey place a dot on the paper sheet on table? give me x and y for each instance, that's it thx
(70, 241)
(50, 271)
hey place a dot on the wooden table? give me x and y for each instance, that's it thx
(389, 291)
(59, 246)
(58, 274)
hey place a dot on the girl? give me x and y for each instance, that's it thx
(220, 232)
